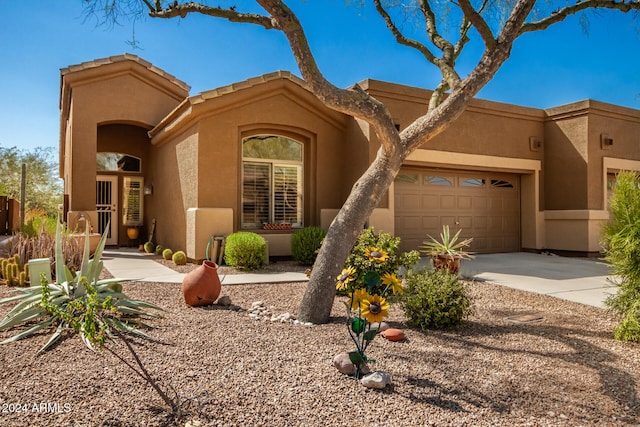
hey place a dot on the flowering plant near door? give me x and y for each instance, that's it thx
(370, 280)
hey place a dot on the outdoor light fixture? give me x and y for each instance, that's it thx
(605, 141)
(148, 189)
(535, 143)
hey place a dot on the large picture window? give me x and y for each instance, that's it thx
(271, 181)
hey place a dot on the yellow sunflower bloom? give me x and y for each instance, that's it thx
(357, 297)
(376, 254)
(392, 282)
(374, 308)
(344, 278)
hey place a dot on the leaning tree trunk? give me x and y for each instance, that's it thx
(342, 234)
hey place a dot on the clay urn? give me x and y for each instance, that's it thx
(202, 285)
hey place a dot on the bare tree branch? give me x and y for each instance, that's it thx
(560, 14)
(354, 101)
(436, 120)
(182, 10)
(479, 23)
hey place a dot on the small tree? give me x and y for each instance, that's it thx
(621, 240)
(43, 188)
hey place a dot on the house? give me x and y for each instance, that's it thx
(136, 148)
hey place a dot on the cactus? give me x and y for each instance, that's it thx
(149, 247)
(167, 254)
(179, 258)
(159, 249)
(16, 260)
(23, 278)
(4, 264)
(11, 277)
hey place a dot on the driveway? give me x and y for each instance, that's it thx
(574, 279)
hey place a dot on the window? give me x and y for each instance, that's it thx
(272, 183)
(437, 180)
(405, 178)
(473, 182)
(499, 183)
(117, 162)
(132, 201)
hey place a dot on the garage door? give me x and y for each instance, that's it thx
(486, 206)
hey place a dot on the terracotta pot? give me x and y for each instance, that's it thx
(133, 233)
(202, 285)
(448, 262)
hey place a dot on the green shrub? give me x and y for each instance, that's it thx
(179, 258)
(149, 247)
(621, 241)
(388, 246)
(245, 250)
(435, 299)
(167, 254)
(305, 244)
(158, 250)
(39, 225)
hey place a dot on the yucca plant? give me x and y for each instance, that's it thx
(45, 304)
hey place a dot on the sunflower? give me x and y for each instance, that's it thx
(344, 278)
(376, 254)
(357, 297)
(374, 308)
(391, 281)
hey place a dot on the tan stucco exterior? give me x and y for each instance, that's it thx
(191, 152)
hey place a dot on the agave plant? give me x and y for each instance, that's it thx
(447, 252)
(447, 245)
(48, 304)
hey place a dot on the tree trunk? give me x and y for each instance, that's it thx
(344, 230)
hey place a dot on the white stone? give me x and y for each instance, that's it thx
(377, 380)
(256, 304)
(382, 326)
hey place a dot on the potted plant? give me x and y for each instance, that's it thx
(448, 252)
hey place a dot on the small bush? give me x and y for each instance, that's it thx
(179, 258)
(387, 244)
(435, 300)
(149, 247)
(621, 240)
(167, 254)
(245, 250)
(306, 243)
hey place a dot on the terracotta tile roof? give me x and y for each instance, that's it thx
(254, 81)
(125, 57)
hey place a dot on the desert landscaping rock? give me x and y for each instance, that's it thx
(393, 334)
(235, 371)
(377, 380)
(344, 365)
(224, 301)
(382, 326)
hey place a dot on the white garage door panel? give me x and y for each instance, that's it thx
(486, 206)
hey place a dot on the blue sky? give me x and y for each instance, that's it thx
(546, 69)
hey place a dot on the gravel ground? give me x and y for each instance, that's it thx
(232, 370)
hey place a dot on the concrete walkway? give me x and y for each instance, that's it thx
(132, 264)
(574, 279)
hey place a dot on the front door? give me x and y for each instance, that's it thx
(106, 205)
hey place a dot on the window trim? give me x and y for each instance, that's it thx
(273, 165)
